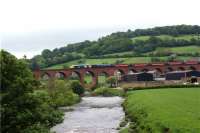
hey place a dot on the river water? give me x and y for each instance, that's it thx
(93, 115)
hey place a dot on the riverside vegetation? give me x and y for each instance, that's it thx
(28, 106)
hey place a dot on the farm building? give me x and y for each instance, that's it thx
(178, 75)
(143, 76)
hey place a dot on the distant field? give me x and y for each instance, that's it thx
(178, 50)
(165, 37)
(185, 49)
(121, 53)
(176, 110)
(112, 61)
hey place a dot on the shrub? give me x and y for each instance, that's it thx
(36, 128)
(108, 92)
(112, 80)
(61, 93)
(77, 87)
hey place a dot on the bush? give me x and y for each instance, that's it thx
(108, 92)
(37, 128)
(61, 93)
(77, 87)
(112, 80)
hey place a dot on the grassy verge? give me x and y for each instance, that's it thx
(163, 87)
(107, 92)
(163, 110)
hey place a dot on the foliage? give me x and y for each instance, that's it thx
(124, 130)
(77, 87)
(112, 80)
(139, 41)
(22, 109)
(61, 93)
(36, 128)
(108, 92)
(163, 110)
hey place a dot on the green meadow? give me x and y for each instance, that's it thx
(164, 110)
(179, 50)
(167, 37)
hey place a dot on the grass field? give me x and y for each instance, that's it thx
(165, 37)
(176, 110)
(129, 60)
(186, 49)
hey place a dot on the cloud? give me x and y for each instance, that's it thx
(33, 25)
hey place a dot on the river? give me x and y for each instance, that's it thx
(93, 115)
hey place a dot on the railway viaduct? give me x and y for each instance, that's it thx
(159, 68)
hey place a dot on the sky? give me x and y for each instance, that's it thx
(29, 26)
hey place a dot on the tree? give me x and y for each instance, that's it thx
(112, 80)
(77, 87)
(46, 53)
(61, 94)
(22, 108)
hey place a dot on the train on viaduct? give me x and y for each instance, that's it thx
(110, 70)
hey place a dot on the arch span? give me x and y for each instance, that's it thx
(145, 70)
(169, 69)
(181, 69)
(192, 68)
(60, 75)
(132, 71)
(119, 73)
(75, 75)
(88, 77)
(45, 76)
(102, 76)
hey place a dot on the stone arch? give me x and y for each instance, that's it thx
(132, 71)
(60, 75)
(119, 73)
(158, 72)
(102, 76)
(181, 69)
(45, 76)
(192, 68)
(145, 70)
(75, 75)
(89, 77)
(169, 69)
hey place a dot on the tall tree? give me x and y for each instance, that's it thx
(22, 109)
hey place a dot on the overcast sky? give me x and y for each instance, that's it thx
(29, 26)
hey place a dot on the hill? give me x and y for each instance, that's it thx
(145, 44)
